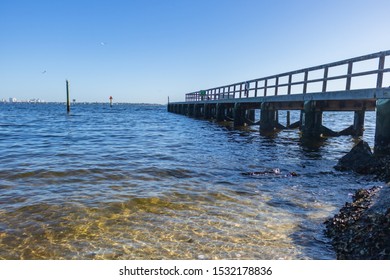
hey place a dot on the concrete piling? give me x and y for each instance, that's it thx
(220, 112)
(197, 111)
(207, 111)
(250, 116)
(311, 121)
(239, 115)
(268, 118)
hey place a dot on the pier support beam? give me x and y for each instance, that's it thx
(382, 131)
(250, 115)
(191, 110)
(311, 121)
(220, 112)
(230, 114)
(358, 123)
(185, 109)
(268, 118)
(207, 111)
(239, 115)
(197, 110)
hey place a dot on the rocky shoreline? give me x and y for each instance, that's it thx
(361, 229)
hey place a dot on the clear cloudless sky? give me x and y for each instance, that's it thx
(147, 50)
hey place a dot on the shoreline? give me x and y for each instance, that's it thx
(361, 228)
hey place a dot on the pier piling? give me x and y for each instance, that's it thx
(250, 115)
(220, 112)
(239, 115)
(268, 118)
(311, 121)
(382, 131)
(358, 123)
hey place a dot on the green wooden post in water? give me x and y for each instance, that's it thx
(67, 97)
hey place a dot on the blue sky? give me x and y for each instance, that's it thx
(145, 51)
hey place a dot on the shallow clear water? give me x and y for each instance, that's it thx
(136, 182)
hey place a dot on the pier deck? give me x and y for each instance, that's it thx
(355, 84)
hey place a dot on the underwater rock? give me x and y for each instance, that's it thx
(275, 171)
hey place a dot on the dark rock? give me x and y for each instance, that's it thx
(357, 232)
(275, 171)
(360, 159)
(361, 230)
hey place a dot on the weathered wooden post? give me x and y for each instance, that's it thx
(67, 97)
(358, 123)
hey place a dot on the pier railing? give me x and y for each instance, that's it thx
(313, 79)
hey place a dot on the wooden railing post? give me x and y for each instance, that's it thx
(349, 78)
(381, 66)
(289, 84)
(257, 82)
(305, 81)
(276, 85)
(325, 81)
(288, 92)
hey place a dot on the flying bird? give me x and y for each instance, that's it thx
(44, 72)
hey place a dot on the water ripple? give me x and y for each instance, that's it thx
(135, 182)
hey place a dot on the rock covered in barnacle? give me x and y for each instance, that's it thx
(361, 230)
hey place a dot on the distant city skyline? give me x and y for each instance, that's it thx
(145, 51)
(15, 100)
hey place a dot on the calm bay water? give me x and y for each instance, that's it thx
(136, 182)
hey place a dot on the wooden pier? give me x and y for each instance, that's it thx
(355, 85)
